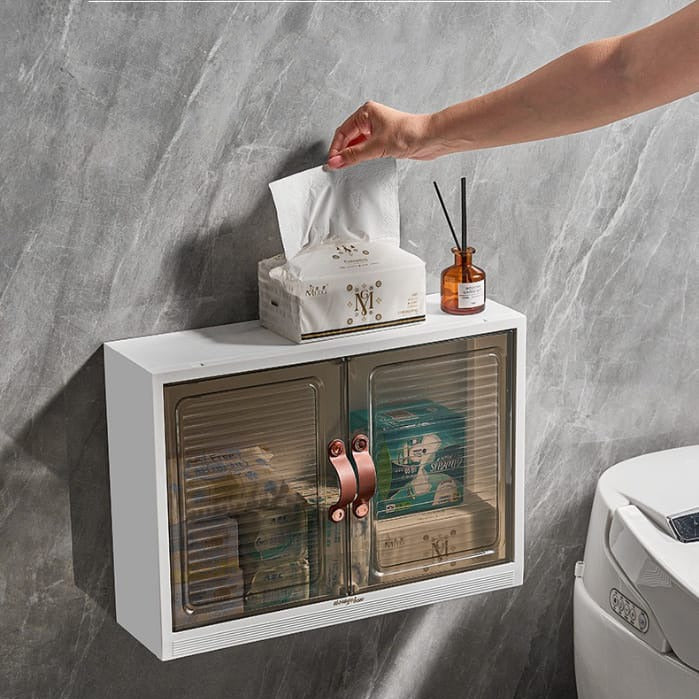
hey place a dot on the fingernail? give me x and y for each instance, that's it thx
(335, 162)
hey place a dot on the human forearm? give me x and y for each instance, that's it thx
(591, 86)
(580, 90)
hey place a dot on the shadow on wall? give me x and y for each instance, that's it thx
(216, 279)
(90, 511)
(218, 267)
(69, 436)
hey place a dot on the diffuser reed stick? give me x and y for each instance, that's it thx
(446, 214)
(464, 223)
(464, 233)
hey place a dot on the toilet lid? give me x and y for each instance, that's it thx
(664, 485)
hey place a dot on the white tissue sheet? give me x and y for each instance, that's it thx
(358, 203)
(342, 269)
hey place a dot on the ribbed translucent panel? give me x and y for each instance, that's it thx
(212, 558)
(249, 501)
(436, 438)
(279, 419)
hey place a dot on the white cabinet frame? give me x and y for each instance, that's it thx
(136, 370)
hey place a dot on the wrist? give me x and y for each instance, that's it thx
(436, 128)
(449, 132)
(423, 137)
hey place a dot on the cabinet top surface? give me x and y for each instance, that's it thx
(248, 346)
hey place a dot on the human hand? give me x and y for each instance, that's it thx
(377, 131)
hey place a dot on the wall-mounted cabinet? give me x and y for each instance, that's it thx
(261, 488)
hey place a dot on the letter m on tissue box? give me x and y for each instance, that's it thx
(342, 269)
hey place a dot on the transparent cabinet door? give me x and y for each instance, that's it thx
(439, 421)
(249, 487)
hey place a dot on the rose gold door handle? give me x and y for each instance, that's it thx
(366, 475)
(345, 474)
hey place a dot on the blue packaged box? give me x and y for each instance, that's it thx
(419, 454)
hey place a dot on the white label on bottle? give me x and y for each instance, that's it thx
(471, 294)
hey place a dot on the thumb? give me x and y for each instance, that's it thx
(367, 149)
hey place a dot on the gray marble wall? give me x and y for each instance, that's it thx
(136, 144)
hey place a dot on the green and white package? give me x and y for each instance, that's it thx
(418, 450)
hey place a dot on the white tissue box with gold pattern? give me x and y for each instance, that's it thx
(341, 287)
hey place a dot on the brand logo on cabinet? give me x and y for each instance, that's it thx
(363, 302)
(317, 290)
(346, 601)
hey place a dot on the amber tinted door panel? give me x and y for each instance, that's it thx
(249, 488)
(439, 422)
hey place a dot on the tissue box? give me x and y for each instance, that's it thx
(437, 537)
(337, 288)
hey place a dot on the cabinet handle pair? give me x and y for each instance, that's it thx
(356, 489)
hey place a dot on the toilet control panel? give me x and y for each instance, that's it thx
(632, 614)
(686, 526)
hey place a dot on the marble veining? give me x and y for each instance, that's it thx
(137, 142)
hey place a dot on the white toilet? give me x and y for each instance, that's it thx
(636, 602)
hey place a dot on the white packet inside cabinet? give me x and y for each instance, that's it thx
(342, 269)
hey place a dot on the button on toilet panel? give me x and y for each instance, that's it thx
(631, 613)
(686, 526)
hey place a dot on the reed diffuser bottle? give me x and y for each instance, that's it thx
(463, 284)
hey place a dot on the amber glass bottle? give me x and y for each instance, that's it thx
(463, 285)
